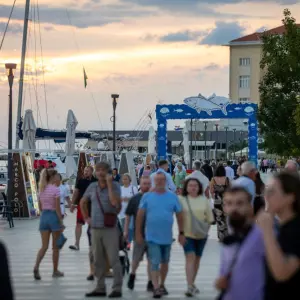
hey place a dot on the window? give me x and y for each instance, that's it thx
(245, 61)
(244, 100)
(244, 82)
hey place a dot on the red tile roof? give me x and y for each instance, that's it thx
(256, 36)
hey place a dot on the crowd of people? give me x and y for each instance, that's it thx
(258, 225)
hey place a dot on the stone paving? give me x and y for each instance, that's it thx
(23, 242)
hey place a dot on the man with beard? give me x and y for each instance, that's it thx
(243, 250)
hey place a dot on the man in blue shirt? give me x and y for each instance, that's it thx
(163, 167)
(247, 180)
(158, 207)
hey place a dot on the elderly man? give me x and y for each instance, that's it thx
(247, 178)
(105, 197)
(292, 166)
(156, 211)
(201, 177)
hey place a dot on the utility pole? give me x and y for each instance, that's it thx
(22, 69)
(10, 68)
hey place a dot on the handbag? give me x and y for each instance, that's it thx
(109, 219)
(199, 228)
(61, 241)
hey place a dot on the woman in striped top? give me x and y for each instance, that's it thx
(50, 220)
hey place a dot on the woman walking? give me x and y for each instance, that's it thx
(127, 192)
(194, 205)
(50, 220)
(180, 175)
(282, 250)
(218, 185)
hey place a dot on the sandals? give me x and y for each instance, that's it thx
(58, 274)
(36, 274)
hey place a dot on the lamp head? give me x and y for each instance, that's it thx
(10, 69)
(115, 96)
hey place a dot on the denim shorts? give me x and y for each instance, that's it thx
(49, 221)
(158, 254)
(194, 246)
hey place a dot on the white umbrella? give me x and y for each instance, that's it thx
(71, 167)
(186, 147)
(29, 130)
(151, 140)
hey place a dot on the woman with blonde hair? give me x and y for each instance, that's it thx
(50, 221)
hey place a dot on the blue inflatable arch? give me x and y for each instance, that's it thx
(205, 109)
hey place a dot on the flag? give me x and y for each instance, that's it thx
(85, 78)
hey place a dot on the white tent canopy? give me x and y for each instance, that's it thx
(29, 130)
(71, 167)
(151, 140)
(245, 151)
(186, 147)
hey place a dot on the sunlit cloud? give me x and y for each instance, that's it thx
(146, 50)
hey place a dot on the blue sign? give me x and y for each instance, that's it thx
(200, 107)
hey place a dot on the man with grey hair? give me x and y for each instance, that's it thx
(197, 174)
(247, 178)
(291, 166)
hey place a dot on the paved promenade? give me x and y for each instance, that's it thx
(23, 241)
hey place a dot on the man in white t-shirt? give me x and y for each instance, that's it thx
(229, 171)
(201, 177)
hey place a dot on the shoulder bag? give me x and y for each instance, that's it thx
(232, 265)
(199, 228)
(110, 219)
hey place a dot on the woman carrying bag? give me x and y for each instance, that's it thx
(197, 217)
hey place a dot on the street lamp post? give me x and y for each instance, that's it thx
(115, 98)
(205, 138)
(10, 75)
(226, 137)
(217, 140)
(234, 130)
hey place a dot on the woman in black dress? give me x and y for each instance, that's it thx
(283, 251)
(218, 185)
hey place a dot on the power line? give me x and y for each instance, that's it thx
(6, 27)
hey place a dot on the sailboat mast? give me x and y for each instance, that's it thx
(24, 47)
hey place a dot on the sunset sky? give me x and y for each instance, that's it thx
(145, 50)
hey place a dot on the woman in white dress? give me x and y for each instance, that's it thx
(127, 192)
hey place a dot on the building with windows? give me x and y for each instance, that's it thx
(245, 72)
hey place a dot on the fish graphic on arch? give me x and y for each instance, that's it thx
(208, 105)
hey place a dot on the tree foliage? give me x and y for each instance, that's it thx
(279, 89)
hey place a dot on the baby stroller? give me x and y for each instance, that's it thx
(123, 253)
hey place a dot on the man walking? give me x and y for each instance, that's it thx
(242, 270)
(80, 188)
(163, 167)
(229, 171)
(158, 207)
(105, 197)
(247, 178)
(201, 177)
(138, 249)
